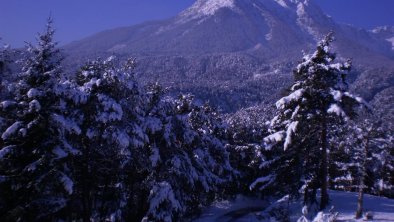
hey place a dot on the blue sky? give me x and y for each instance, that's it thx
(20, 20)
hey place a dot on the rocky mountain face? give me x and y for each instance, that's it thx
(238, 53)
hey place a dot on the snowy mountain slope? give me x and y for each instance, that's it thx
(223, 50)
(385, 33)
(217, 26)
(246, 209)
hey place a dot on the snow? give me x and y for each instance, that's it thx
(290, 131)
(345, 203)
(242, 208)
(261, 180)
(5, 151)
(337, 95)
(59, 152)
(67, 184)
(112, 111)
(282, 3)
(301, 10)
(276, 137)
(155, 157)
(6, 104)
(203, 8)
(123, 139)
(162, 193)
(391, 40)
(335, 109)
(33, 166)
(32, 93)
(34, 106)
(211, 6)
(10, 131)
(304, 20)
(66, 124)
(294, 96)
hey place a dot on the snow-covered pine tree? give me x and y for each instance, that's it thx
(110, 138)
(317, 99)
(35, 177)
(188, 160)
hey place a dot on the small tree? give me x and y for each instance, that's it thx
(317, 99)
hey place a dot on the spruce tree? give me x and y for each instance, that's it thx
(110, 138)
(36, 178)
(317, 99)
(188, 160)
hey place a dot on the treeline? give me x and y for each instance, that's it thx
(97, 146)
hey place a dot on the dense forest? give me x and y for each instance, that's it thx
(96, 145)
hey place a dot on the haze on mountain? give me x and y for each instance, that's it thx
(238, 53)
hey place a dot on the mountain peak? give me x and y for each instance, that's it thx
(203, 8)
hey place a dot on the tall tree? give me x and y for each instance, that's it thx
(189, 163)
(317, 99)
(36, 177)
(110, 137)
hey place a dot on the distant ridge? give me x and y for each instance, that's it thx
(237, 53)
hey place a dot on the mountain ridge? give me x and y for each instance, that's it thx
(227, 47)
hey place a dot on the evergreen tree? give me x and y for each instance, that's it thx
(110, 138)
(188, 159)
(317, 99)
(36, 179)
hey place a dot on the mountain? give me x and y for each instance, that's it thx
(385, 33)
(237, 53)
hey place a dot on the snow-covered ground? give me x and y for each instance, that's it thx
(346, 205)
(245, 209)
(241, 209)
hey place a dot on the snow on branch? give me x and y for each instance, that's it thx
(10, 131)
(290, 131)
(266, 180)
(296, 95)
(337, 110)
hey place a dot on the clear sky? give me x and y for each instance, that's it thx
(20, 20)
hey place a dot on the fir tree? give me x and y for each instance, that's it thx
(317, 99)
(188, 159)
(110, 138)
(36, 178)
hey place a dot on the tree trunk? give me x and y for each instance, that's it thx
(86, 203)
(360, 200)
(324, 167)
(359, 212)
